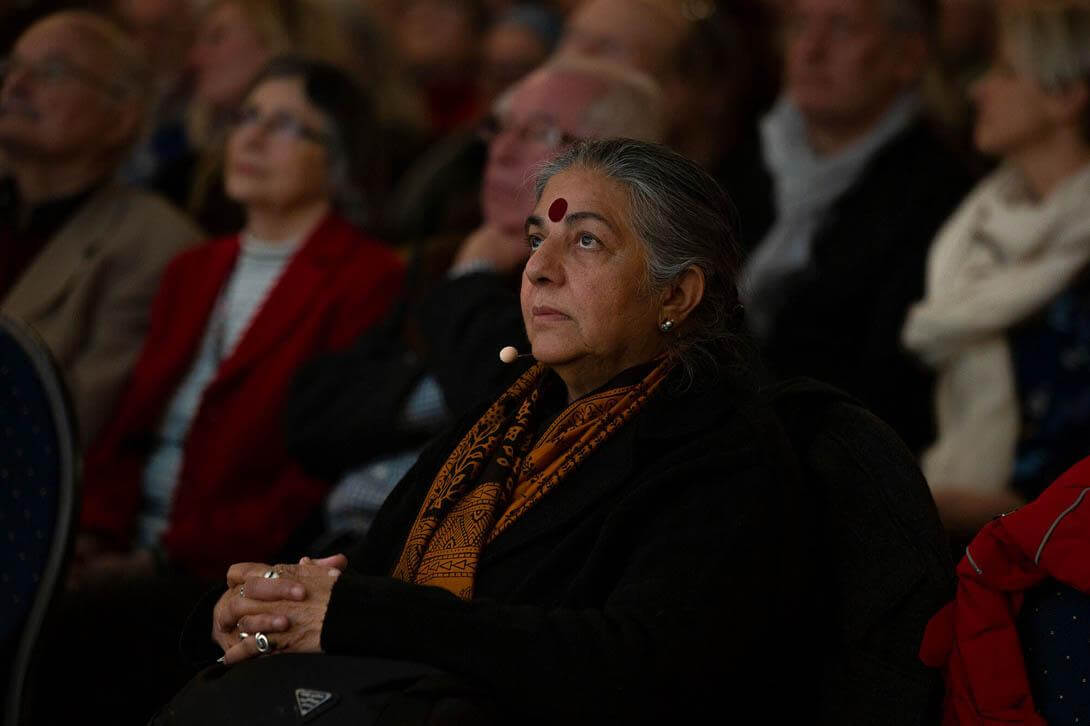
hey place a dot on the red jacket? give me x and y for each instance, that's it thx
(974, 639)
(239, 495)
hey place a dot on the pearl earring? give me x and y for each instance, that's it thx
(666, 326)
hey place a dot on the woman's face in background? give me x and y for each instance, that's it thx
(1011, 108)
(277, 155)
(226, 56)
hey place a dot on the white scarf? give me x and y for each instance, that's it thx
(1001, 258)
(806, 186)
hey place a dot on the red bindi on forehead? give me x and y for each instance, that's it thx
(557, 209)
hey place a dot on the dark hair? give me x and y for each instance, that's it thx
(684, 219)
(352, 127)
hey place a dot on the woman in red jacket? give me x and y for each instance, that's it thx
(192, 470)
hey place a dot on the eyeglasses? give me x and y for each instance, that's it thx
(281, 125)
(537, 131)
(56, 69)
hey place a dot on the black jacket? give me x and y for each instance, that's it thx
(344, 408)
(841, 317)
(665, 578)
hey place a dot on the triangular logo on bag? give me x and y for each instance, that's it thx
(308, 700)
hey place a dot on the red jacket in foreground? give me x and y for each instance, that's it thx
(239, 495)
(975, 638)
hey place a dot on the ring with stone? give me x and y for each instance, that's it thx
(263, 644)
(271, 575)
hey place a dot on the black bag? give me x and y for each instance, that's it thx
(326, 690)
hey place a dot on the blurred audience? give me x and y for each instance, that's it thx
(191, 472)
(963, 50)
(439, 40)
(438, 194)
(723, 78)
(401, 130)
(643, 34)
(233, 319)
(861, 185)
(234, 40)
(1005, 322)
(966, 42)
(514, 45)
(163, 29)
(716, 64)
(80, 256)
(719, 72)
(437, 356)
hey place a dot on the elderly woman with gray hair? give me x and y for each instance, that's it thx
(614, 539)
(1005, 322)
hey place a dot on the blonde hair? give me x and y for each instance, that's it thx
(1050, 43)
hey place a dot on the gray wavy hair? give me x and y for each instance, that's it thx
(684, 219)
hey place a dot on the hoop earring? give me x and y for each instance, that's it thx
(666, 325)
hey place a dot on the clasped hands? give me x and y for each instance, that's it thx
(288, 609)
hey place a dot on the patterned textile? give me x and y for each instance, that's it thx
(497, 473)
(1051, 356)
(1054, 628)
(30, 483)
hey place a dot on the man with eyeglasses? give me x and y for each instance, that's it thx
(437, 356)
(80, 257)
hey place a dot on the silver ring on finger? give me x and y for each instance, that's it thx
(242, 591)
(243, 636)
(263, 644)
(271, 575)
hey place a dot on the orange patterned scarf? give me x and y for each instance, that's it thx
(497, 472)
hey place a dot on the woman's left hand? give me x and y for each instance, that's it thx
(289, 610)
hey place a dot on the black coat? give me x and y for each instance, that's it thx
(664, 578)
(345, 408)
(841, 318)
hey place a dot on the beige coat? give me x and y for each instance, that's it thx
(89, 291)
